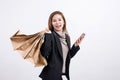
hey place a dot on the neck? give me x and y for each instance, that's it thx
(59, 31)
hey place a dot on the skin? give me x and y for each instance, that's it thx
(79, 40)
(58, 23)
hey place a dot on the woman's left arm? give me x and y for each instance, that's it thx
(76, 46)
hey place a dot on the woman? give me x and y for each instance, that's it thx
(56, 48)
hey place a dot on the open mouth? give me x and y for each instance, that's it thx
(58, 26)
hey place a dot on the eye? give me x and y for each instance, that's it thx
(59, 19)
(53, 20)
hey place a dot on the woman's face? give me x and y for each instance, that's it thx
(57, 22)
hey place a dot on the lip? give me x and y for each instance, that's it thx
(57, 26)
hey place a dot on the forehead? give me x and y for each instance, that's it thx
(57, 16)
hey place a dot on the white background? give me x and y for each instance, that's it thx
(99, 57)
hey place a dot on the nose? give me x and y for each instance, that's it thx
(57, 22)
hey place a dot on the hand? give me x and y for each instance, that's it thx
(47, 30)
(79, 40)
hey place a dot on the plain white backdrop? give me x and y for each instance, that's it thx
(99, 57)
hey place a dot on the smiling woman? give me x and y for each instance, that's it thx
(57, 50)
(99, 57)
(50, 47)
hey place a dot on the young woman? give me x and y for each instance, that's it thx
(56, 48)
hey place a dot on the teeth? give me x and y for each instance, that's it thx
(58, 26)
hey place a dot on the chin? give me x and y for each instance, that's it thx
(58, 29)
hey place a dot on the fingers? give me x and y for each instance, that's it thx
(79, 40)
(82, 36)
(47, 30)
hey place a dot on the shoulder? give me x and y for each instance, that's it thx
(48, 35)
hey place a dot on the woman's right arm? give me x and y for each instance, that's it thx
(46, 46)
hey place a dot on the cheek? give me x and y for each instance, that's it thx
(63, 22)
(53, 23)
